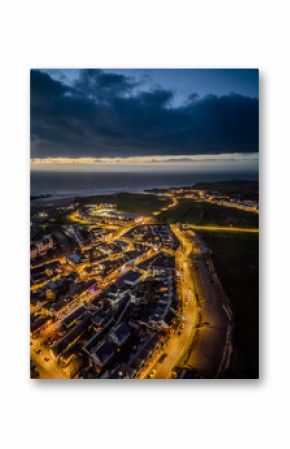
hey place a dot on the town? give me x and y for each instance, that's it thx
(120, 295)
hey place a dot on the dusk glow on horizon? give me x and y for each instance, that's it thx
(235, 161)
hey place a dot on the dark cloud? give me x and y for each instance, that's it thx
(107, 114)
(103, 86)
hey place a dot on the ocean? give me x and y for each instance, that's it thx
(75, 183)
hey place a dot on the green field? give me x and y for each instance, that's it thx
(236, 259)
(246, 189)
(135, 203)
(188, 211)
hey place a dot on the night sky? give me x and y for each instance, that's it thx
(93, 113)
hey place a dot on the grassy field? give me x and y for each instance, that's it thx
(134, 203)
(236, 261)
(137, 203)
(188, 211)
(247, 189)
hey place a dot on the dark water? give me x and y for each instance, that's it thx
(64, 183)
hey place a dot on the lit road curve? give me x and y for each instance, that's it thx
(178, 345)
(224, 229)
(45, 362)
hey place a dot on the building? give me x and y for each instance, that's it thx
(120, 334)
(40, 247)
(103, 354)
(131, 278)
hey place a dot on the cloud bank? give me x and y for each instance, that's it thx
(105, 114)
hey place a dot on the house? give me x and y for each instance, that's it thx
(103, 354)
(41, 246)
(131, 278)
(120, 334)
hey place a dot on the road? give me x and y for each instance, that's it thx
(44, 360)
(179, 342)
(166, 208)
(224, 229)
(206, 317)
(202, 306)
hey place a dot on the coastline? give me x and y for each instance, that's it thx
(153, 190)
(77, 184)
